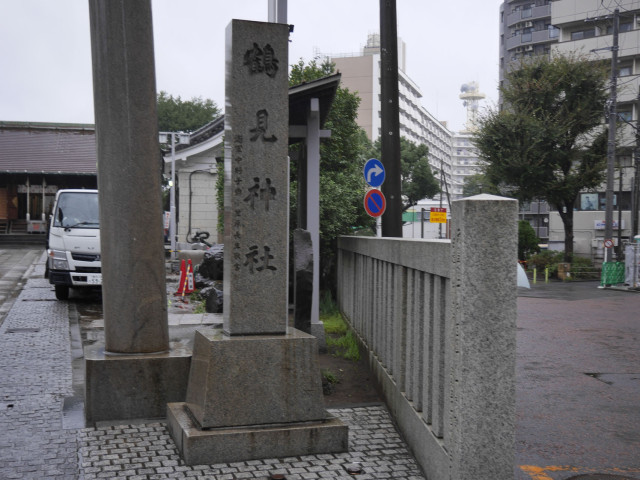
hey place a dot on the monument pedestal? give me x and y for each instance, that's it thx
(252, 397)
(126, 387)
(227, 445)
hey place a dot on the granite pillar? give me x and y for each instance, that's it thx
(482, 338)
(131, 233)
(133, 373)
(254, 387)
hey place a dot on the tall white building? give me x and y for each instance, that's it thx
(465, 161)
(361, 74)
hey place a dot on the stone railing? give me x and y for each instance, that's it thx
(438, 320)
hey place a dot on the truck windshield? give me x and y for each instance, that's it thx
(77, 210)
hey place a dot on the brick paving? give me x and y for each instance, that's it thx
(36, 377)
(146, 451)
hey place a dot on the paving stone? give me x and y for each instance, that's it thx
(36, 376)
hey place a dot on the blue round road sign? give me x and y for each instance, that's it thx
(375, 203)
(374, 172)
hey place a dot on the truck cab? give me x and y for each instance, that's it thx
(73, 242)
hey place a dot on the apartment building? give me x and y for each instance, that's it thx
(361, 74)
(526, 29)
(465, 161)
(584, 27)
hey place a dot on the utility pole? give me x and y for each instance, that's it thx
(441, 180)
(635, 200)
(619, 250)
(183, 138)
(390, 111)
(611, 145)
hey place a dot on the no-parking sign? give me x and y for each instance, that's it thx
(375, 203)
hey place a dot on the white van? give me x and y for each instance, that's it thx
(73, 242)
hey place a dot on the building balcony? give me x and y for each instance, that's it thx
(533, 38)
(529, 15)
(629, 45)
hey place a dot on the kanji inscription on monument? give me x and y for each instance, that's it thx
(256, 180)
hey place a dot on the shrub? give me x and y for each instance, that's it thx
(546, 259)
(527, 240)
(581, 267)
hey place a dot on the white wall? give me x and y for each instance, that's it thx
(584, 232)
(204, 209)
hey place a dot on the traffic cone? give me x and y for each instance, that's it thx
(183, 279)
(191, 281)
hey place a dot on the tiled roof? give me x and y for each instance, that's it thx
(47, 148)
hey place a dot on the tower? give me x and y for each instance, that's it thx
(471, 97)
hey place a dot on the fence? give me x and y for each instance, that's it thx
(438, 321)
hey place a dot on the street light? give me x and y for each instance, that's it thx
(183, 138)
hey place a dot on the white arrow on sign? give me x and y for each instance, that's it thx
(376, 170)
(373, 172)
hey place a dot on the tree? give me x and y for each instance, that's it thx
(418, 181)
(342, 158)
(477, 184)
(549, 141)
(528, 242)
(177, 115)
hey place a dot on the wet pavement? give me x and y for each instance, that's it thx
(578, 394)
(578, 382)
(15, 264)
(42, 434)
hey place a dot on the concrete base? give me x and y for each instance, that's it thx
(235, 444)
(124, 387)
(254, 379)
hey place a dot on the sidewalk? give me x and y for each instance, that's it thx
(40, 435)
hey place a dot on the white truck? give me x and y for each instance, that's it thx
(73, 242)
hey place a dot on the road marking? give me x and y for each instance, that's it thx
(542, 473)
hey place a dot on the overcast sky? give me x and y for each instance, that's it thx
(45, 51)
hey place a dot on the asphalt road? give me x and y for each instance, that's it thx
(578, 382)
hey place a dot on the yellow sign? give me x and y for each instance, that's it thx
(438, 215)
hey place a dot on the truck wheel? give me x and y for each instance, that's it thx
(62, 292)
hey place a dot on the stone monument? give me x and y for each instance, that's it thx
(254, 388)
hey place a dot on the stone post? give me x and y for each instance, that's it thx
(131, 233)
(254, 387)
(482, 335)
(303, 267)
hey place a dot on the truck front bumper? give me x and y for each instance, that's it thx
(75, 279)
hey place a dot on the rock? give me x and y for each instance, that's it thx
(202, 282)
(212, 265)
(213, 297)
(303, 267)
